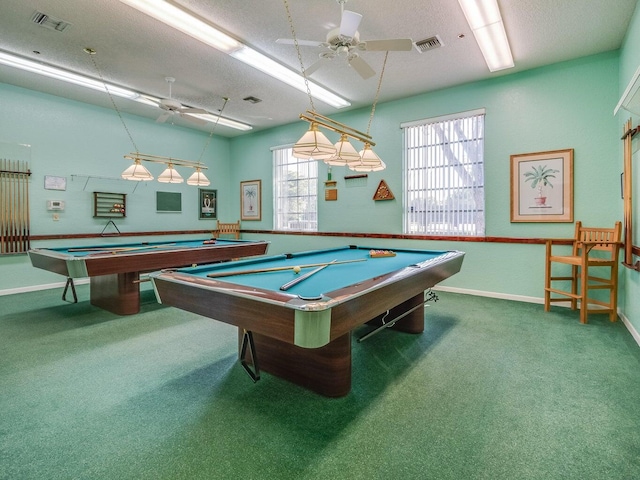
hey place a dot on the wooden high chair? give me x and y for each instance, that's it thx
(227, 229)
(591, 248)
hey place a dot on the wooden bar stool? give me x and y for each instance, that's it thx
(592, 248)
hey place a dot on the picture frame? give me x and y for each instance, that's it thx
(208, 206)
(542, 186)
(52, 182)
(251, 200)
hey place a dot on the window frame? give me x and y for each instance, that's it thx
(452, 217)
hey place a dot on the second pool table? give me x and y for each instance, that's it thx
(114, 270)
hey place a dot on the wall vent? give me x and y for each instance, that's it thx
(430, 43)
(51, 23)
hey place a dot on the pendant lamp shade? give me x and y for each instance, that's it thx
(369, 161)
(137, 172)
(198, 179)
(346, 154)
(314, 144)
(170, 175)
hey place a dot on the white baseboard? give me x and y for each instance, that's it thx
(36, 288)
(521, 298)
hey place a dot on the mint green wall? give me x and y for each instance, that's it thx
(71, 138)
(629, 63)
(568, 105)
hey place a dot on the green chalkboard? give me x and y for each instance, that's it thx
(168, 201)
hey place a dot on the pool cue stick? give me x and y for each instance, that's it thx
(19, 209)
(277, 269)
(3, 204)
(117, 249)
(11, 218)
(28, 218)
(296, 281)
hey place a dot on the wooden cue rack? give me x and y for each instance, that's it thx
(630, 250)
(14, 206)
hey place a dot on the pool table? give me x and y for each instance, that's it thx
(303, 333)
(114, 270)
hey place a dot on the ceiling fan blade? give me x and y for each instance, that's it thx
(349, 23)
(303, 43)
(362, 67)
(192, 110)
(391, 45)
(192, 119)
(315, 66)
(163, 118)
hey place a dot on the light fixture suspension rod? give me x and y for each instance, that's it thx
(337, 127)
(342, 126)
(165, 160)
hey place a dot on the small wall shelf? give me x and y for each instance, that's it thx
(109, 205)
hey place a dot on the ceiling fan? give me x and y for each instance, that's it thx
(172, 107)
(344, 41)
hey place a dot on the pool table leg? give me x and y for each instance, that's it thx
(325, 370)
(412, 322)
(117, 293)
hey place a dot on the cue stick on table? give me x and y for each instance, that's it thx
(278, 269)
(117, 249)
(296, 281)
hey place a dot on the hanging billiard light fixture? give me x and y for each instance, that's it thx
(314, 144)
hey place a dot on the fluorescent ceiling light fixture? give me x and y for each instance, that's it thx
(66, 76)
(179, 19)
(484, 19)
(221, 121)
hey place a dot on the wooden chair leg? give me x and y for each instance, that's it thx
(584, 293)
(574, 286)
(613, 298)
(547, 278)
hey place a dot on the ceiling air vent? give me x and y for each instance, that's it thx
(252, 99)
(430, 43)
(51, 23)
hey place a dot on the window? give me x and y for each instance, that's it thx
(295, 192)
(444, 175)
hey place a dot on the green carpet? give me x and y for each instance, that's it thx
(493, 389)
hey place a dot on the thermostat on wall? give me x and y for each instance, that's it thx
(55, 205)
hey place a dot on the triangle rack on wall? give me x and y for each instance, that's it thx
(383, 192)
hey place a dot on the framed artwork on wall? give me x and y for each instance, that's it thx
(542, 186)
(208, 206)
(251, 200)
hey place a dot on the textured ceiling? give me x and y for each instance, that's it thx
(138, 52)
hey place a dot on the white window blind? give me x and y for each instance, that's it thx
(295, 192)
(444, 175)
